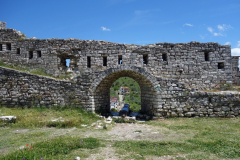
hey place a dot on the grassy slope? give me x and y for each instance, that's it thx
(39, 71)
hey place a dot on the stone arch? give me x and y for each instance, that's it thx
(100, 88)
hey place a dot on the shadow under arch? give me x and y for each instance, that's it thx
(100, 88)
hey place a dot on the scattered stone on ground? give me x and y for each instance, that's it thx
(20, 130)
(108, 120)
(8, 118)
(77, 158)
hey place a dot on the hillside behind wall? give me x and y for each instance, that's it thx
(199, 65)
(19, 89)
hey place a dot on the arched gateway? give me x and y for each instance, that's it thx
(100, 88)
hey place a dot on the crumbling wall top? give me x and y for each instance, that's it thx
(3, 25)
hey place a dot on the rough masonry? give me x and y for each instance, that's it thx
(171, 76)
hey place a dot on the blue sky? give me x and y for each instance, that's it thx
(127, 21)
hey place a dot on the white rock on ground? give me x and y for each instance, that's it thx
(108, 120)
(7, 118)
(77, 158)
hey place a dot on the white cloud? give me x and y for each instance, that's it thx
(217, 34)
(238, 45)
(105, 29)
(201, 36)
(144, 12)
(224, 27)
(227, 43)
(221, 30)
(187, 24)
(210, 29)
(235, 51)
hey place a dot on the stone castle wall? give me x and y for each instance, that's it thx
(199, 65)
(235, 70)
(165, 72)
(173, 99)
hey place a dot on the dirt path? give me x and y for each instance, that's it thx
(125, 131)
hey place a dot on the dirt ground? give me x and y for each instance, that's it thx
(124, 131)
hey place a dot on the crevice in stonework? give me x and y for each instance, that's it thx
(220, 65)
(145, 59)
(39, 54)
(206, 56)
(89, 62)
(164, 57)
(30, 54)
(18, 50)
(8, 46)
(120, 59)
(104, 61)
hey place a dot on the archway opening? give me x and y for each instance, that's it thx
(102, 91)
(125, 90)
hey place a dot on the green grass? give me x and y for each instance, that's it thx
(220, 148)
(42, 117)
(56, 148)
(179, 138)
(39, 71)
(195, 138)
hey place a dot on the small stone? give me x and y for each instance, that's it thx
(77, 158)
(7, 118)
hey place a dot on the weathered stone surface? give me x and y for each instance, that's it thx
(2, 25)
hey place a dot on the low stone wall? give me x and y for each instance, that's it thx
(203, 104)
(26, 90)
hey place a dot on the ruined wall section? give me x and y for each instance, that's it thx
(235, 69)
(3, 25)
(196, 64)
(20, 89)
(25, 52)
(199, 65)
(175, 100)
